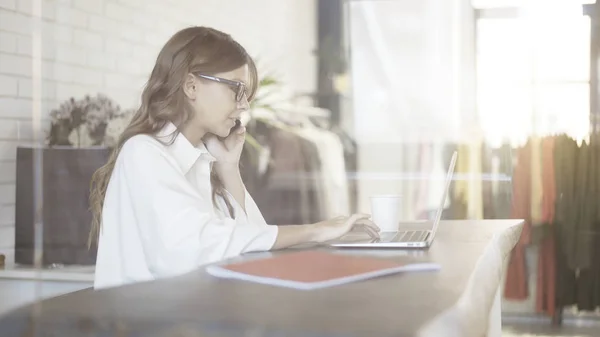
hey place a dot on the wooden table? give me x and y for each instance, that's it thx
(461, 299)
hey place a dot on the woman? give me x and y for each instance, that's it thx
(171, 197)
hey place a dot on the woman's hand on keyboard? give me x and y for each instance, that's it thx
(339, 226)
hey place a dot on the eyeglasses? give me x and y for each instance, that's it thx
(238, 87)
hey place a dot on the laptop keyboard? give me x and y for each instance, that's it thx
(405, 236)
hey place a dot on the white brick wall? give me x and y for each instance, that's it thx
(109, 46)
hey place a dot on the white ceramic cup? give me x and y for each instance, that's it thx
(386, 211)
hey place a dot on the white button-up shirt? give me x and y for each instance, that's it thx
(159, 220)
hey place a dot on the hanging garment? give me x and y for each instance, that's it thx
(595, 141)
(516, 274)
(587, 230)
(536, 181)
(566, 209)
(565, 159)
(351, 164)
(335, 168)
(546, 277)
(496, 185)
(548, 181)
(285, 193)
(503, 188)
(488, 186)
(546, 273)
(333, 176)
(583, 236)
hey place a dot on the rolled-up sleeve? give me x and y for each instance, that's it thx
(251, 215)
(178, 226)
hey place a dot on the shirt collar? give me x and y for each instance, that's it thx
(181, 149)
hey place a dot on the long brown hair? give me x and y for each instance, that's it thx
(194, 49)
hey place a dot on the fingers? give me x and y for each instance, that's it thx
(368, 223)
(366, 229)
(353, 218)
(236, 133)
(239, 135)
(372, 233)
(364, 222)
(368, 226)
(236, 137)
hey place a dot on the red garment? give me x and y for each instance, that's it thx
(546, 275)
(516, 287)
(548, 180)
(516, 273)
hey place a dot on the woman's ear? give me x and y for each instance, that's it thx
(190, 85)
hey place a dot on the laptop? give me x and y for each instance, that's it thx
(402, 238)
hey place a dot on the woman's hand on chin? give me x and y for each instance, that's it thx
(227, 151)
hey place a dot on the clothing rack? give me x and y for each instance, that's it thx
(578, 277)
(554, 189)
(296, 173)
(513, 198)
